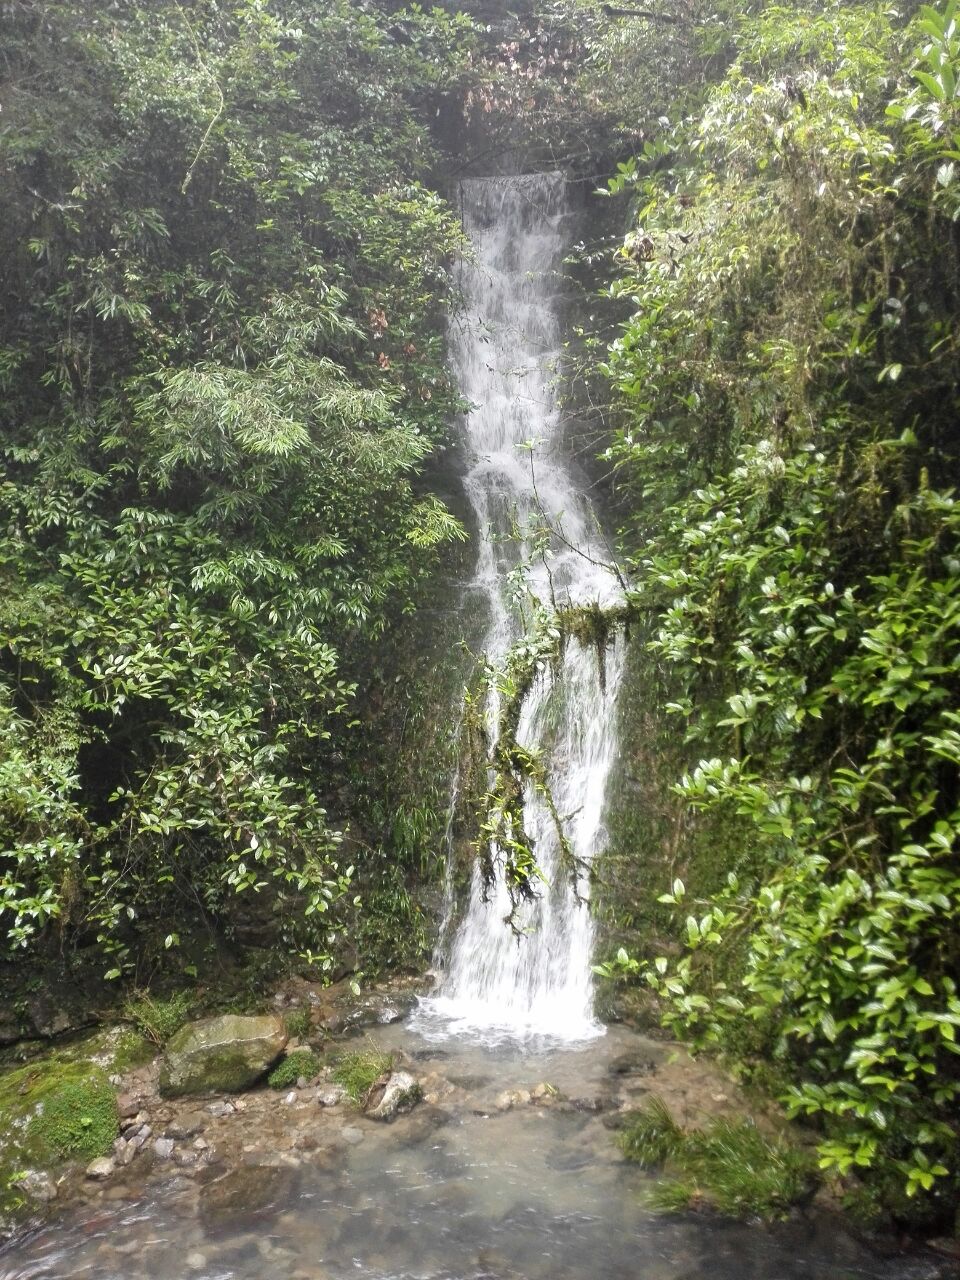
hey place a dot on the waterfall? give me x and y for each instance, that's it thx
(538, 530)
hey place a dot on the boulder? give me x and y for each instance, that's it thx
(396, 1092)
(221, 1055)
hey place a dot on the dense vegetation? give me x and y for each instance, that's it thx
(786, 462)
(222, 370)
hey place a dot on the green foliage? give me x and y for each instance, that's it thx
(788, 376)
(730, 1165)
(359, 1071)
(302, 1062)
(159, 1019)
(222, 376)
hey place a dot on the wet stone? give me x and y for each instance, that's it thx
(242, 1193)
(101, 1168)
(331, 1095)
(632, 1064)
(186, 1125)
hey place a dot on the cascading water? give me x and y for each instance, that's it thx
(533, 979)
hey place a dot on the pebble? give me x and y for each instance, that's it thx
(291, 1097)
(196, 1261)
(220, 1109)
(353, 1135)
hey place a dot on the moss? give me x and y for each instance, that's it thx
(60, 1108)
(302, 1062)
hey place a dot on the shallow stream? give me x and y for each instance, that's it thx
(457, 1190)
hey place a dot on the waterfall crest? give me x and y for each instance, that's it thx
(535, 523)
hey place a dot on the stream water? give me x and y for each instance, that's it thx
(466, 1187)
(456, 1191)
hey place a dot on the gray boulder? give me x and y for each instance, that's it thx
(396, 1092)
(221, 1055)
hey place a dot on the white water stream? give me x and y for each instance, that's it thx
(535, 521)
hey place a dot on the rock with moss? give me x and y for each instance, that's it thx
(225, 1054)
(51, 1112)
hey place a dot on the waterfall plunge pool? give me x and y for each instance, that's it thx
(458, 1190)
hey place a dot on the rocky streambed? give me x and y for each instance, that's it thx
(466, 1162)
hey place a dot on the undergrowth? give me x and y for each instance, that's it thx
(302, 1062)
(730, 1165)
(359, 1071)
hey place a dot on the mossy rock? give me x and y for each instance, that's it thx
(221, 1055)
(51, 1111)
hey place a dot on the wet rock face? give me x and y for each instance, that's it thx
(221, 1055)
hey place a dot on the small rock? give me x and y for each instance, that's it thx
(302, 1082)
(511, 1098)
(102, 1167)
(221, 1109)
(128, 1154)
(163, 1148)
(352, 1135)
(201, 1144)
(38, 1185)
(196, 1261)
(331, 1095)
(544, 1092)
(291, 1097)
(186, 1125)
(127, 1105)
